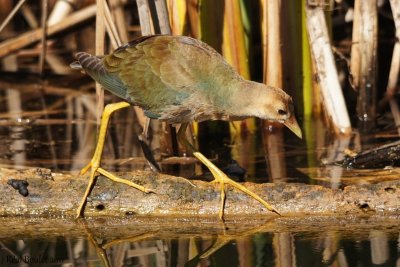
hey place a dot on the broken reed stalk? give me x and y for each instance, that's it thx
(61, 10)
(13, 44)
(395, 66)
(12, 14)
(364, 63)
(326, 72)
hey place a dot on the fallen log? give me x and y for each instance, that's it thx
(57, 195)
(378, 157)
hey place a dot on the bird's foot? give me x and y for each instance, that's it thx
(221, 178)
(95, 169)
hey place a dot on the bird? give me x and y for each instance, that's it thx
(177, 80)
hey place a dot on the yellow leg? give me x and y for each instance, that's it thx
(94, 164)
(220, 176)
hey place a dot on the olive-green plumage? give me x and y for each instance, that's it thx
(179, 79)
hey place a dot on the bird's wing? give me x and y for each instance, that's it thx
(154, 71)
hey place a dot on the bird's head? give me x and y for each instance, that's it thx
(274, 104)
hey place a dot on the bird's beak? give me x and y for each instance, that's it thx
(292, 124)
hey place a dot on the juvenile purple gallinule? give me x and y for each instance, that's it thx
(179, 79)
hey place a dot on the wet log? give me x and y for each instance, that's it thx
(58, 195)
(379, 157)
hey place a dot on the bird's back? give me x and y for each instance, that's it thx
(174, 78)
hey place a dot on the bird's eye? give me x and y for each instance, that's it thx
(282, 112)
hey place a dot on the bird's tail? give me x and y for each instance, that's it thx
(94, 67)
(91, 64)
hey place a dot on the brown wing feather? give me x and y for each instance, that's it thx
(155, 78)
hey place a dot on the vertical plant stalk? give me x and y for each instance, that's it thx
(326, 72)
(273, 137)
(118, 13)
(146, 24)
(42, 57)
(193, 13)
(395, 65)
(110, 27)
(163, 17)
(274, 57)
(309, 93)
(291, 33)
(212, 23)
(355, 58)
(364, 59)
(234, 47)
(99, 50)
(307, 66)
(179, 11)
(264, 36)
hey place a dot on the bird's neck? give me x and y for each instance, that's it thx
(247, 93)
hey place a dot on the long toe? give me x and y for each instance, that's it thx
(250, 193)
